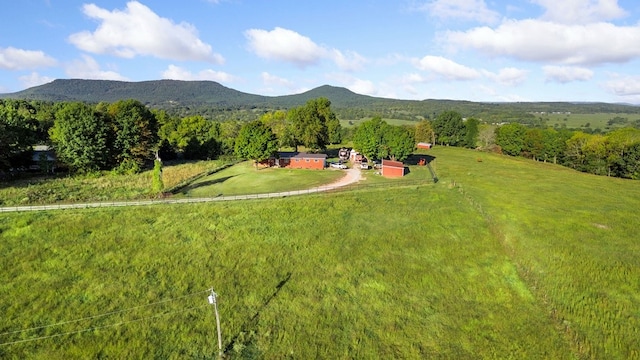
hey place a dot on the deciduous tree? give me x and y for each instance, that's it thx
(256, 141)
(449, 128)
(81, 137)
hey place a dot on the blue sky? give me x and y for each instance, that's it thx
(478, 50)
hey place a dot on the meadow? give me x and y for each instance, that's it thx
(245, 178)
(101, 186)
(502, 258)
(594, 121)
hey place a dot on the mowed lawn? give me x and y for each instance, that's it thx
(502, 258)
(245, 178)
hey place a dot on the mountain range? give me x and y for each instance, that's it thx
(179, 95)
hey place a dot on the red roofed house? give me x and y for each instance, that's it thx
(299, 160)
(392, 168)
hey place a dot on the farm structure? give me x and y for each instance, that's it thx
(392, 168)
(356, 157)
(298, 160)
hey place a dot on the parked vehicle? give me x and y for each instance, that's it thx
(364, 165)
(338, 165)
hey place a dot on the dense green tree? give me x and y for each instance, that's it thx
(533, 146)
(196, 137)
(256, 141)
(136, 132)
(229, 131)
(399, 142)
(449, 128)
(629, 166)
(310, 124)
(574, 151)
(81, 137)
(510, 138)
(471, 132)
(554, 144)
(18, 133)
(369, 140)
(281, 126)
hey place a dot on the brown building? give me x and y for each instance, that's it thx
(392, 168)
(299, 160)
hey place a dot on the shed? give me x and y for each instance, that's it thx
(424, 145)
(392, 168)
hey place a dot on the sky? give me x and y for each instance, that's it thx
(476, 50)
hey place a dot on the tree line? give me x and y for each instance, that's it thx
(614, 154)
(126, 136)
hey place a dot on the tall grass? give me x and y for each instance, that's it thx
(503, 258)
(97, 187)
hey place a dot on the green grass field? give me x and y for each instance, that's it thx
(502, 258)
(595, 121)
(244, 178)
(97, 187)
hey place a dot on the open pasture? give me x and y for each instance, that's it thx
(502, 258)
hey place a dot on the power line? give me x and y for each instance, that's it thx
(105, 314)
(103, 327)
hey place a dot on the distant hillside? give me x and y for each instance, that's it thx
(156, 92)
(214, 100)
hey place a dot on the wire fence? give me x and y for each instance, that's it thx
(328, 189)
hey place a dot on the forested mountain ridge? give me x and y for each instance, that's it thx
(211, 98)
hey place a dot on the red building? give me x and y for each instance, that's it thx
(392, 168)
(299, 160)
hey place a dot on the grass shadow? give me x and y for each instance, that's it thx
(246, 327)
(191, 187)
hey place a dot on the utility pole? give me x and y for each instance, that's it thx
(214, 301)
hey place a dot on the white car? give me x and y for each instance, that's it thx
(338, 165)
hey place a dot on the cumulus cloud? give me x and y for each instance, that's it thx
(270, 80)
(447, 69)
(137, 30)
(509, 76)
(19, 59)
(566, 74)
(289, 46)
(34, 79)
(625, 86)
(469, 10)
(177, 73)
(544, 41)
(285, 45)
(580, 11)
(88, 68)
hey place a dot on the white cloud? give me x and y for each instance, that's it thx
(270, 80)
(352, 61)
(19, 59)
(177, 73)
(34, 79)
(286, 45)
(544, 41)
(139, 31)
(470, 10)
(566, 74)
(580, 11)
(289, 46)
(509, 76)
(88, 68)
(625, 86)
(446, 68)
